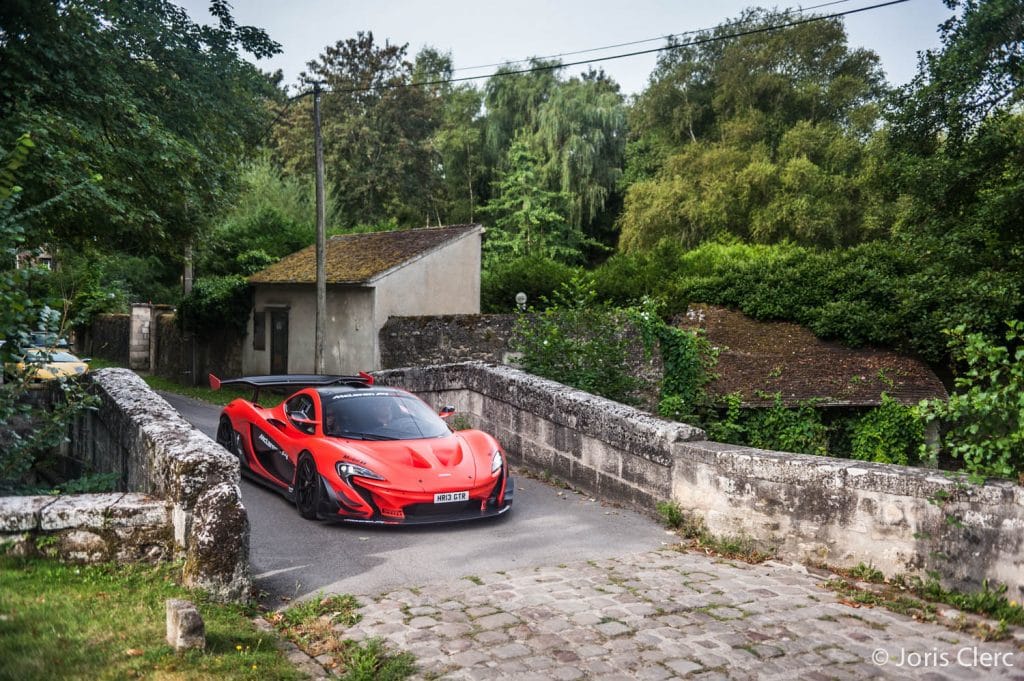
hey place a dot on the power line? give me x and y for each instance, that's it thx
(595, 60)
(640, 42)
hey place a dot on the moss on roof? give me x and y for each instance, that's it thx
(358, 258)
(759, 359)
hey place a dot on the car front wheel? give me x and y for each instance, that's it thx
(307, 487)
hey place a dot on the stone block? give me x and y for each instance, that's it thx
(185, 627)
(20, 514)
(88, 511)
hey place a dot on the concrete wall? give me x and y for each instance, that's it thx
(185, 497)
(810, 509)
(350, 332)
(441, 282)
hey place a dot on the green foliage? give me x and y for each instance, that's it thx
(161, 107)
(536, 276)
(867, 573)
(985, 416)
(729, 427)
(274, 216)
(889, 433)
(32, 422)
(216, 304)
(687, 359)
(579, 342)
(787, 429)
(377, 134)
(873, 294)
(528, 219)
(761, 137)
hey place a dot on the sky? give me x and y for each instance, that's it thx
(482, 32)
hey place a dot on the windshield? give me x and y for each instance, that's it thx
(51, 356)
(380, 416)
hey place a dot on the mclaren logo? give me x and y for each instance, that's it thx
(267, 441)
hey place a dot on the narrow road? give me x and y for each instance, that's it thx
(547, 526)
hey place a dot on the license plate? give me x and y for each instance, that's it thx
(448, 497)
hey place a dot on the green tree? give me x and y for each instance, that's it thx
(581, 133)
(528, 219)
(377, 134)
(759, 136)
(273, 216)
(29, 432)
(985, 416)
(161, 107)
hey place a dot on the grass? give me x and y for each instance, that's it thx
(919, 599)
(109, 622)
(204, 394)
(317, 625)
(691, 528)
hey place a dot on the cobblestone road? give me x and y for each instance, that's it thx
(667, 615)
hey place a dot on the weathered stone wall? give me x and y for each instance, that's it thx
(173, 353)
(88, 528)
(420, 341)
(445, 339)
(191, 484)
(107, 337)
(811, 509)
(161, 347)
(221, 355)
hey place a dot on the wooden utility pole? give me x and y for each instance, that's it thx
(321, 239)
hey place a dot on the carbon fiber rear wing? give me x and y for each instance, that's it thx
(294, 381)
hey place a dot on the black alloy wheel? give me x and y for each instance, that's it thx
(307, 487)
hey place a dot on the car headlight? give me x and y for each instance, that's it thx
(496, 462)
(347, 470)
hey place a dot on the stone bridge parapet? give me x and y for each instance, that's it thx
(179, 494)
(811, 509)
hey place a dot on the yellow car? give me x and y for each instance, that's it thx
(43, 364)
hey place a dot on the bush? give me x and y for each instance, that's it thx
(579, 342)
(986, 414)
(216, 304)
(536, 276)
(889, 433)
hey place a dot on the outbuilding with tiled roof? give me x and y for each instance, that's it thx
(370, 277)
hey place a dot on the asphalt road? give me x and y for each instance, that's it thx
(292, 557)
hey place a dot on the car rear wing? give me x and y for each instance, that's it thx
(293, 381)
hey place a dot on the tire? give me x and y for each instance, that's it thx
(307, 487)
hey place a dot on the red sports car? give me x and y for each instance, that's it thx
(341, 447)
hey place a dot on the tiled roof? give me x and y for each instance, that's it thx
(359, 258)
(780, 357)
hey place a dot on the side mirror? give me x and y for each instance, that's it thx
(446, 411)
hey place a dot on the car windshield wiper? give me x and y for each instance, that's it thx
(364, 436)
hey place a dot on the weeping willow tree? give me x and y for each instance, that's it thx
(581, 135)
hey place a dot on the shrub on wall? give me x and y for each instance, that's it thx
(986, 413)
(889, 433)
(577, 341)
(216, 304)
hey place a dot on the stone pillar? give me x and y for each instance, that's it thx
(139, 336)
